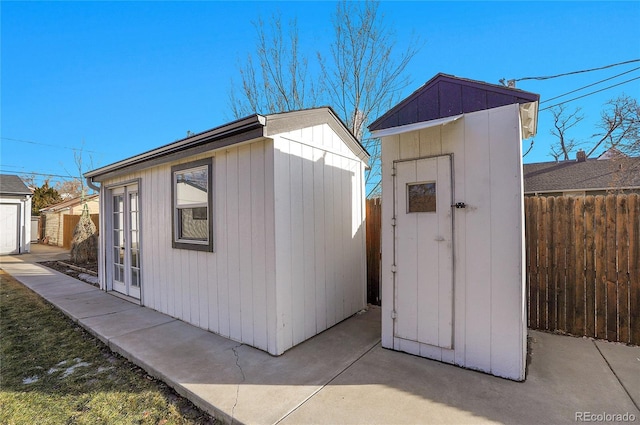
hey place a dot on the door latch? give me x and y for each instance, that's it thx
(459, 205)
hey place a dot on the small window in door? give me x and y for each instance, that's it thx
(421, 197)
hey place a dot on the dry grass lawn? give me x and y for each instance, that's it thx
(54, 372)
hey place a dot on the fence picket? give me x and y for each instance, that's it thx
(611, 270)
(590, 266)
(578, 295)
(600, 285)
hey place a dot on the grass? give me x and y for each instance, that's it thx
(53, 372)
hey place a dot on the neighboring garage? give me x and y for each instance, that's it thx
(15, 215)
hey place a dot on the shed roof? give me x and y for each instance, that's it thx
(13, 185)
(592, 174)
(245, 129)
(447, 96)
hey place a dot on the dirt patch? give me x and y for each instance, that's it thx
(86, 272)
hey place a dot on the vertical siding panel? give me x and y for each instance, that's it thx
(506, 243)
(233, 246)
(338, 229)
(390, 152)
(319, 239)
(222, 250)
(245, 244)
(257, 236)
(270, 246)
(212, 272)
(331, 251)
(297, 242)
(163, 212)
(308, 230)
(478, 233)
(283, 246)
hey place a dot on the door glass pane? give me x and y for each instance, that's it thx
(135, 281)
(421, 197)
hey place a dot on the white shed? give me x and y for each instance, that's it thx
(253, 230)
(15, 215)
(453, 287)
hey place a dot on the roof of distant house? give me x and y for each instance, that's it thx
(591, 174)
(68, 203)
(13, 185)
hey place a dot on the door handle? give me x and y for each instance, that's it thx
(459, 205)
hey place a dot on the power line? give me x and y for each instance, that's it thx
(589, 94)
(577, 72)
(46, 144)
(28, 173)
(590, 85)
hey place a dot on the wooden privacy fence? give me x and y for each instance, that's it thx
(374, 242)
(70, 222)
(583, 265)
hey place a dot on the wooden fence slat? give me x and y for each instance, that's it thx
(611, 270)
(553, 272)
(601, 289)
(543, 266)
(373, 230)
(634, 269)
(532, 262)
(570, 280)
(590, 267)
(560, 217)
(577, 327)
(622, 244)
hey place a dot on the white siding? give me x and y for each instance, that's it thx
(319, 234)
(223, 291)
(289, 247)
(489, 326)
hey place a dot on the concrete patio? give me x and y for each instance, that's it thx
(342, 375)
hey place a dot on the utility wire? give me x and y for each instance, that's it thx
(590, 85)
(28, 173)
(46, 144)
(577, 72)
(589, 94)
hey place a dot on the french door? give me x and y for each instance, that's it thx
(125, 241)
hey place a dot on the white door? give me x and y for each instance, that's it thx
(125, 241)
(9, 228)
(423, 301)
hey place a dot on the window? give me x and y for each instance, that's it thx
(192, 205)
(421, 197)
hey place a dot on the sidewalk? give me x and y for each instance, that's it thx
(342, 375)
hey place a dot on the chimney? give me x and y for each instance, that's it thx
(581, 156)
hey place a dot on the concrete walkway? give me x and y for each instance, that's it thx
(342, 376)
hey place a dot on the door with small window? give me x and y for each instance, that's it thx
(423, 233)
(124, 241)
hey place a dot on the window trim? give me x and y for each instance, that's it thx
(185, 243)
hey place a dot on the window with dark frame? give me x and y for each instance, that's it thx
(192, 225)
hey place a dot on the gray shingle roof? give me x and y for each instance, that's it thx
(591, 174)
(12, 185)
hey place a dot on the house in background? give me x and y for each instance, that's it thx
(453, 287)
(253, 230)
(58, 221)
(610, 172)
(15, 215)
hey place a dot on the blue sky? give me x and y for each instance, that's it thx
(120, 78)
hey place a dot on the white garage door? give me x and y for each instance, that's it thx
(9, 228)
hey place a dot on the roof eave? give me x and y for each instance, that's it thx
(244, 125)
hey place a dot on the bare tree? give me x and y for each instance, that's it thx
(361, 77)
(619, 125)
(562, 122)
(276, 78)
(365, 73)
